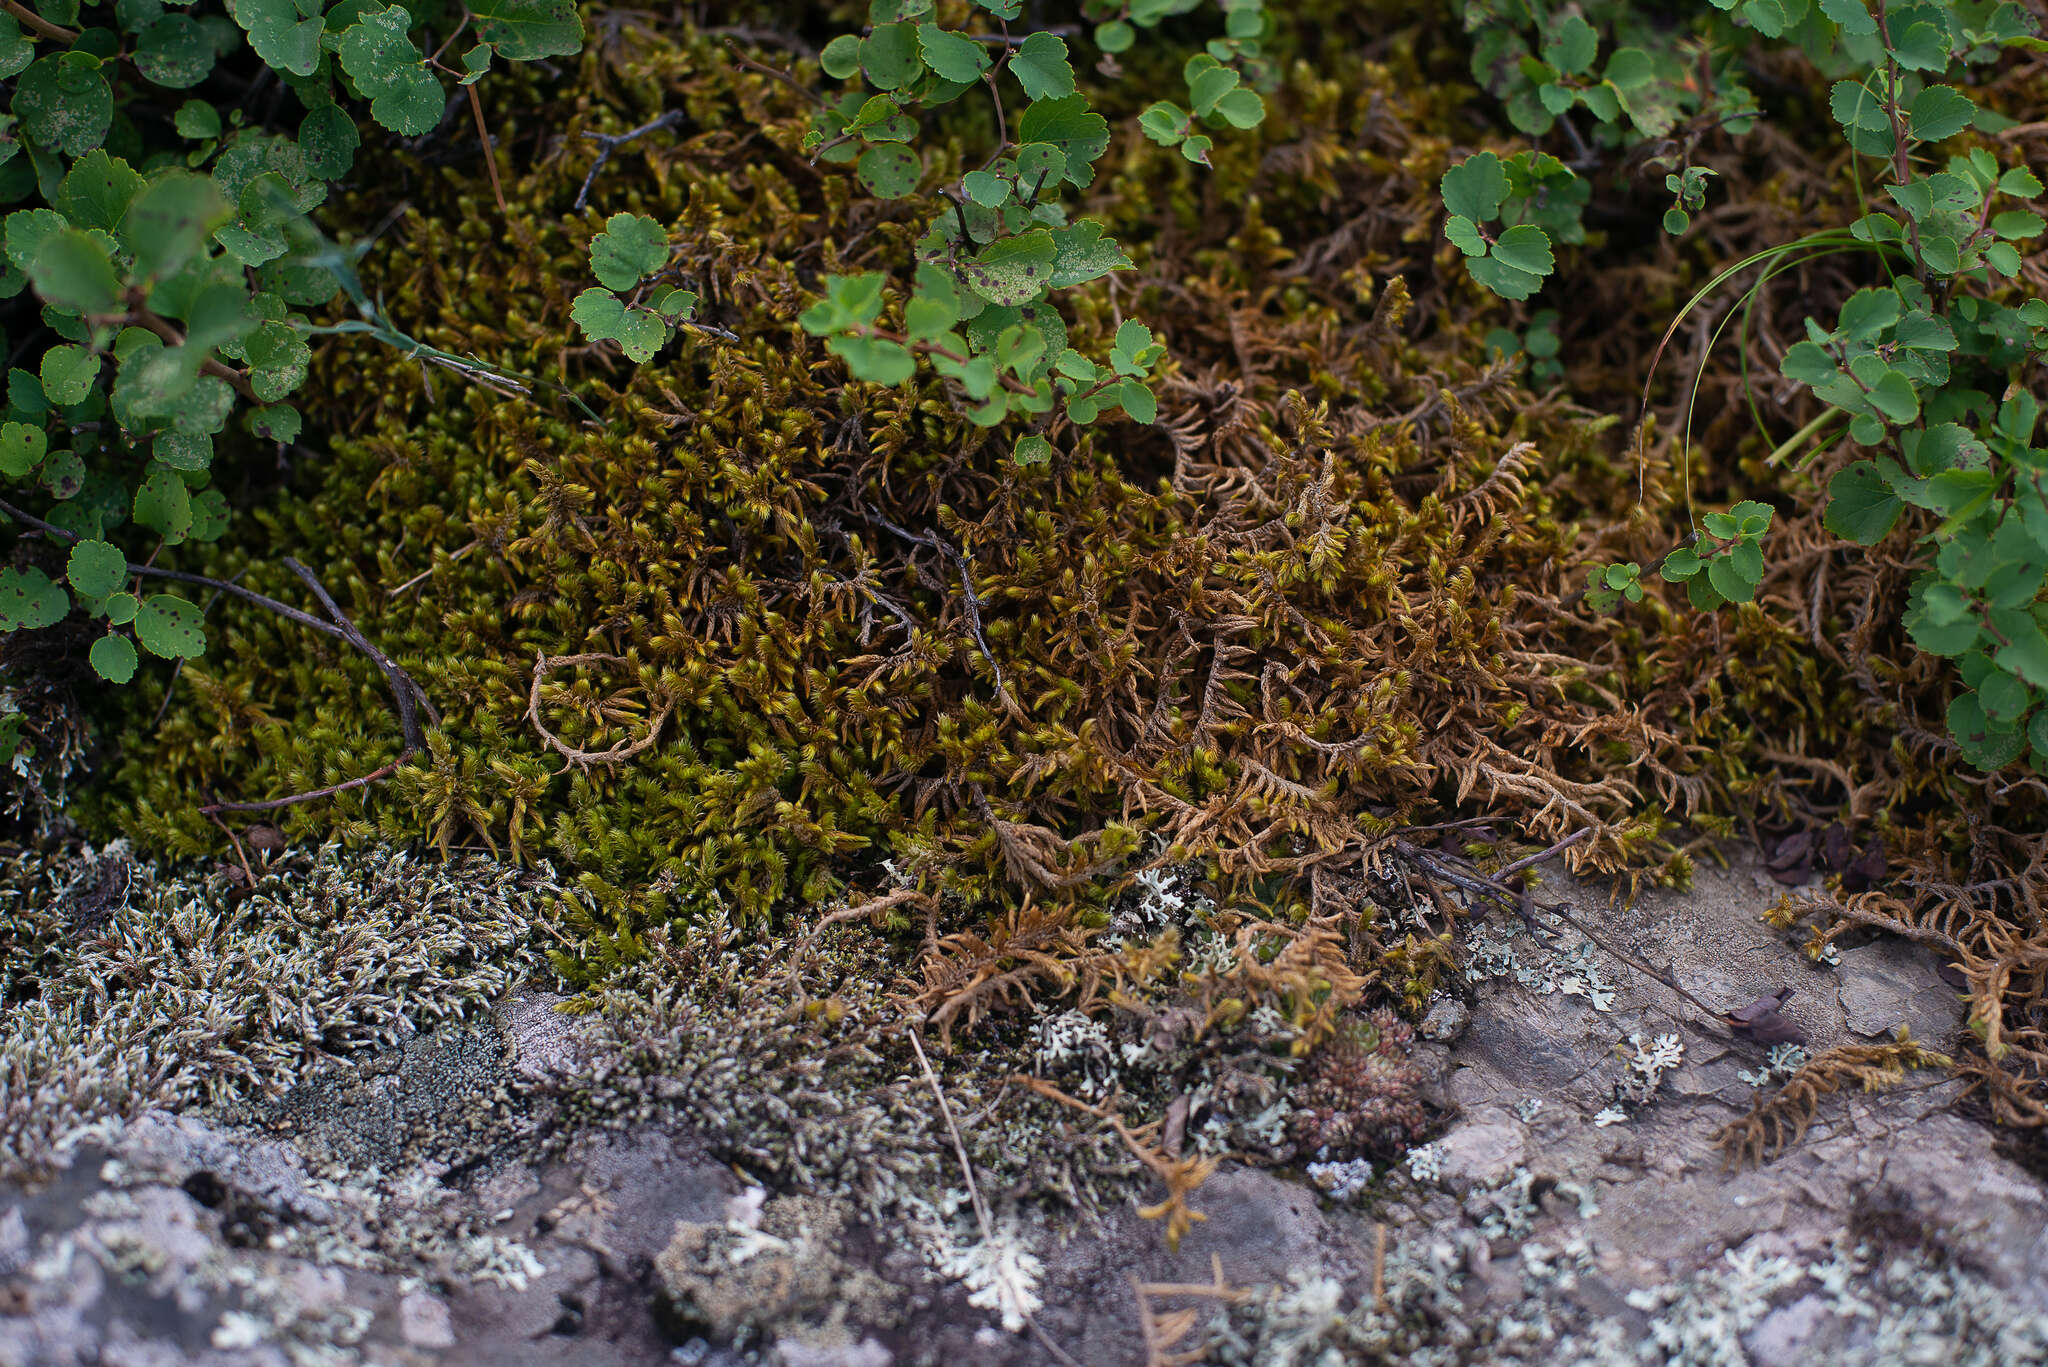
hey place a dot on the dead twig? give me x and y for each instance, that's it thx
(609, 143)
(1162, 1333)
(408, 701)
(873, 907)
(974, 1191)
(617, 754)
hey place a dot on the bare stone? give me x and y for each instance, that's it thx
(1889, 984)
(866, 1353)
(424, 1322)
(1446, 1020)
(1784, 1338)
(1482, 1151)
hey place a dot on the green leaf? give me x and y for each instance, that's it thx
(1939, 112)
(30, 601)
(1465, 236)
(2018, 224)
(97, 191)
(175, 52)
(1729, 579)
(1138, 401)
(676, 305)
(171, 627)
(22, 448)
(1081, 253)
(889, 56)
(2020, 183)
(1039, 164)
(841, 57)
(1861, 506)
(1115, 36)
(528, 30)
(1574, 46)
(605, 318)
(1013, 270)
(1852, 15)
(1856, 106)
(95, 568)
(850, 301)
(1242, 108)
(952, 56)
(164, 504)
(113, 658)
(1164, 122)
(1629, 68)
(282, 36)
(890, 171)
(64, 103)
(925, 317)
(1526, 248)
(328, 141)
(209, 515)
(1869, 312)
(2025, 652)
(1941, 253)
(1894, 396)
(1031, 450)
(873, 359)
(2003, 697)
(16, 52)
(1208, 85)
(1131, 347)
(1921, 47)
(1504, 280)
(1809, 363)
(1067, 123)
(1019, 349)
(63, 474)
(71, 270)
(387, 67)
(1765, 16)
(631, 248)
(1040, 65)
(1982, 744)
(67, 373)
(170, 221)
(1475, 187)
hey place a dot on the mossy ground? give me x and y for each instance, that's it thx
(1331, 593)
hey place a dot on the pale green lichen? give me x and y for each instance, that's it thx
(131, 985)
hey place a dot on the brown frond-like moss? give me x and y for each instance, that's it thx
(1780, 1120)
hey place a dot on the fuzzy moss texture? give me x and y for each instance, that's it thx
(1330, 593)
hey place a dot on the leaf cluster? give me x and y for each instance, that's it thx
(164, 238)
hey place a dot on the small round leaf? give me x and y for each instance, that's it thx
(96, 568)
(113, 658)
(170, 626)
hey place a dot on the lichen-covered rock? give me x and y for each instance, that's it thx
(131, 984)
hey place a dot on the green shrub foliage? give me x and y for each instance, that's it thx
(1925, 374)
(164, 231)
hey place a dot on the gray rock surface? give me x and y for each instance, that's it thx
(414, 1210)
